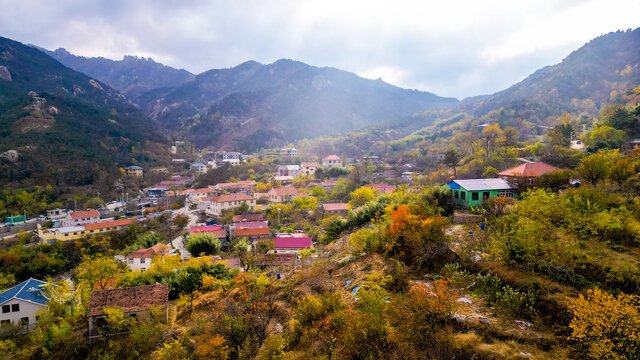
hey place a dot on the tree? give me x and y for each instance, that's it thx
(96, 272)
(621, 170)
(452, 160)
(605, 326)
(361, 196)
(605, 137)
(181, 221)
(490, 136)
(560, 135)
(203, 244)
(594, 168)
(94, 203)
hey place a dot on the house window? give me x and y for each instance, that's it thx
(37, 318)
(15, 307)
(6, 309)
(485, 195)
(24, 321)
(142, 260)
(456, 194)
(474, 196)
(130, 261)
(463, 195)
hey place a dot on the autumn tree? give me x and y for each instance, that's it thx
(98, 272)
(361, 196)
(605, 326)
(594, 168)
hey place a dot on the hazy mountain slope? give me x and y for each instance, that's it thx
(131, 75)
(254, 105)
(62, 125)
(580, 83)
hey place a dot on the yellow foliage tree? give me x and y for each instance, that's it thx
(605, 326)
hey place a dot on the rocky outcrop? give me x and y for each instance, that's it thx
(10, 155)
(5, 75)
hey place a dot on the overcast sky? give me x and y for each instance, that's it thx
(452, 48)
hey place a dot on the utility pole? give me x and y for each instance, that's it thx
(75, 205)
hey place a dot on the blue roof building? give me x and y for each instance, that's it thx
(20, 304)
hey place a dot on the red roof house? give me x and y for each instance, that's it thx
(525, 173)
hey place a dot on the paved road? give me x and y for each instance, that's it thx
(178, 242)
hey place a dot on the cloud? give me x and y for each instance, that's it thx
(460, 48)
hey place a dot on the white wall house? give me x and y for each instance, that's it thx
(78, 218)
(20, 304)
(141, 259)
(216, 205)
(331, 160)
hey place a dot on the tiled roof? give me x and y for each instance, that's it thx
(251, 225)
(203, 191)
(229, 197)
(309, 164)
(84, 214)
(133, 167)
(29, 290)
(129, 299)
(283, 178)
(293, 242)
(158, 249)
(328, 183)
(285, 190)
(529, 169)
(252, 232)
(248, 217)
(289, 167)
(208, 228)
(383, 188)
(107, 224)
(331, 157)
(335, 206)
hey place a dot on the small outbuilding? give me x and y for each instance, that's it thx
(473, 192)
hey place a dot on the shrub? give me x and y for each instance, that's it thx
(203, 244)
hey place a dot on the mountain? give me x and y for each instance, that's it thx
(60, 126)
(254, 105)
(598, 73)
(131, 75)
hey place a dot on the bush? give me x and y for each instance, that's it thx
(456, 274)
(515, 301)
(203, 244)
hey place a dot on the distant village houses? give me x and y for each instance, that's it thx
(331, 160)
(134, 170)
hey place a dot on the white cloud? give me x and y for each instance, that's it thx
(452, 48)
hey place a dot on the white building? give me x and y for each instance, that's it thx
(20, 304)
(308, 168)
(78, 218)
(217, 205)
(331, 160)
(199, 168)
(288, 170)
(141, 259)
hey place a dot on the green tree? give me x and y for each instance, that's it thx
(605, 137)
(452, 159)
(203, 244)
(595, 168)
(361, 196)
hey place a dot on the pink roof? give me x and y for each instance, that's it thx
(335, 206)
(331, 157)
(209, 228)
(293, 242)
(252, 225)
(383, 188)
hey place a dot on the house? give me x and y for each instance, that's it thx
(308, 168)
(157, 192)
(141, 259)
(288, 170)
(217, 205)
(55, 214)
(282, 194)
(21, 303)
(232, 162)
(525, 174)
(133, 301)
(240, 186)
(133, 171)
(289, 152)
(79, 232)
(384, 189)
(335, 209)
(253, 233)
(328, 185)
(292, 243)
(198, 168)
(283, 179)
(248, 218)
(407, 176)
(473, 192)
(159, 170)
(634, 144)
(195, 196)
(331, 160)
(77, 218)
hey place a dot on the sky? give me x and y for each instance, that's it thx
(452, 48)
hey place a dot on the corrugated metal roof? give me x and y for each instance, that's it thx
(484, 184)
(30, 290)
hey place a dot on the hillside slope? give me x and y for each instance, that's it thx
(58, 125)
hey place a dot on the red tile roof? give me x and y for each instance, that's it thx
(106, 224)
(248, 217)
(335, 207)
(129, 299)
(229, 197)
(286, 190)
(252, 232)
(203, 191)
(383, 188)
(529, 169)
(158, 249)
(293, 242)
(331, 157)
(209, 228)
(84, 214)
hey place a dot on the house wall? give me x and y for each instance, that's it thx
(27, 309)
(476, 198)
(139, 263)
(140, 315)
(77, 235)
(68, 221)
(216, 208)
